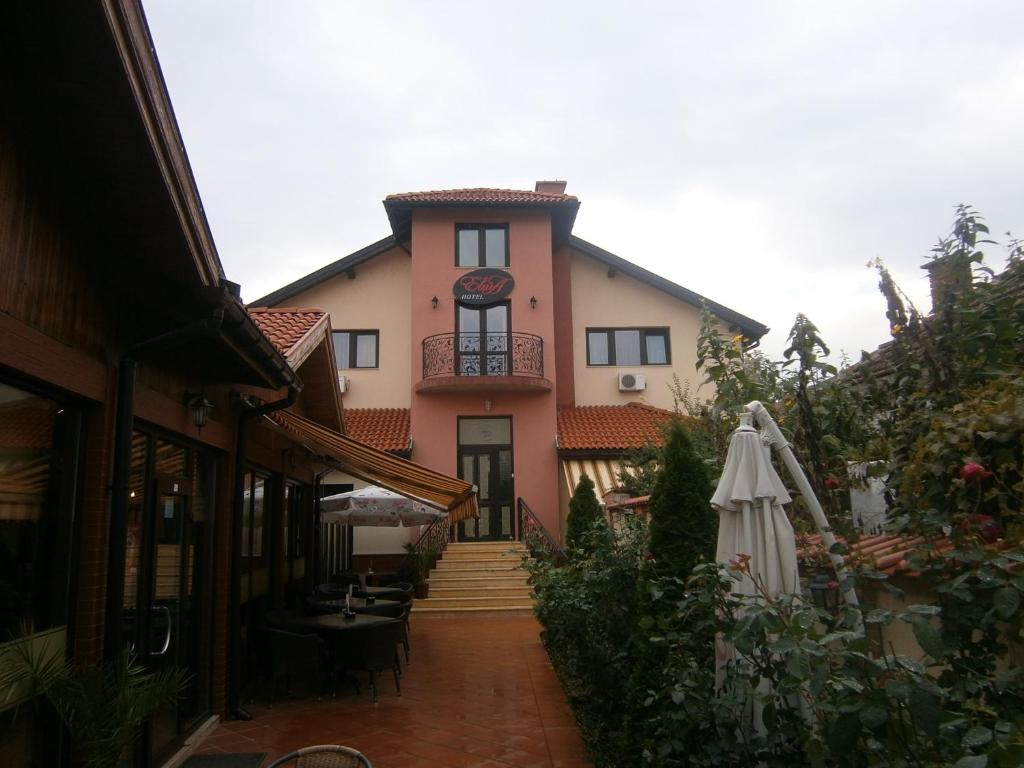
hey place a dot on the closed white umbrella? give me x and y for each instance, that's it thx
(751, 520)
(752, 525)
(378, 507)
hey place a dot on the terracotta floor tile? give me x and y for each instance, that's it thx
(479, 693)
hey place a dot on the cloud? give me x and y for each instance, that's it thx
(759, 154)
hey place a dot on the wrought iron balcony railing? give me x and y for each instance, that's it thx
(483, 354)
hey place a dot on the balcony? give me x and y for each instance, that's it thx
(467, 362)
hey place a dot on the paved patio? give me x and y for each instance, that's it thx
(479, 693)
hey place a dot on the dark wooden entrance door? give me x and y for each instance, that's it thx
(490, 469)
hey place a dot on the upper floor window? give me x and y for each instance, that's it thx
(628, 346)
(356, 349)
(481, 245)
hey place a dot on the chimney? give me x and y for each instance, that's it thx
(950, 278)
(551, 187)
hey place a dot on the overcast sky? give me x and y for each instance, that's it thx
(757, 153)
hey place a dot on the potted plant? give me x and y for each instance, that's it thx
(103, 707)
(416, 568)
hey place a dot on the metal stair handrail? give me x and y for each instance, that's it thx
(435, 537)
(531, 531)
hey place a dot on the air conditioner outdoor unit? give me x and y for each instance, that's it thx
(632, 382)
(343, 383)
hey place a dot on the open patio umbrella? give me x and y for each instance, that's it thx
(376, 506)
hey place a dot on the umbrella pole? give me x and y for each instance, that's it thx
(780, 444)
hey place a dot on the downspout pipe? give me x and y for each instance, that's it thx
(124, 425)
(245, 419)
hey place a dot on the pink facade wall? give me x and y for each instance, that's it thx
(434, 416)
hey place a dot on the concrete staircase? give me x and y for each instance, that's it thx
(478, 578)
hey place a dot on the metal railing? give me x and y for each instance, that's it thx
(483, 354)
(531, 531)
(435, 537)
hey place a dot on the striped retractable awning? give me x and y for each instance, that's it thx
(391, 472)
(604, 473)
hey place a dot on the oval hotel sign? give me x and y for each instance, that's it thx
(483, 286)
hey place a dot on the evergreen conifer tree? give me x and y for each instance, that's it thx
(683, 525)
(584, 512)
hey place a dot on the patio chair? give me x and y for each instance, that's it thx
(291, 658)
(406, 610)
(406, 588)
(323, 756)
(375, 652)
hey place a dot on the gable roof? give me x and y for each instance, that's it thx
(563, 207)
(294, 332)
(333, 269)
(750, 327)
(612, 429)
(386, 429)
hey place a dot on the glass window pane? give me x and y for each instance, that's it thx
(341, 339)
(483, 477)
(366, 350)
(485, 431)
(246, 518)
(257, 516)
(597, 345)
(469, 248)
(627, 347)
(494, 243)
(656, 349)
(497, 319)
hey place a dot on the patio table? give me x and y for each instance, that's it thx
(385, 593)
(335, 622)
(359, 604)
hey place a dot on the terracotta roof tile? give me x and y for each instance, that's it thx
(482, 195)
(887, 552)
(610, 427)
(386, 429)
(286, 327)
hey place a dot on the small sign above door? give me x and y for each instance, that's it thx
(483, 286)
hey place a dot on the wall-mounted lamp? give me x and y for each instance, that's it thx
(200, 407)
(533, 302)
(434, 302)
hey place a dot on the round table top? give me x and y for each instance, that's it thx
(335, 622)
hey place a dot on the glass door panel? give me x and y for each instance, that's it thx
(482, 340)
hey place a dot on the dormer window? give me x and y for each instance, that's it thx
(481, 245)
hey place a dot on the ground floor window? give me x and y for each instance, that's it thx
(39, 479)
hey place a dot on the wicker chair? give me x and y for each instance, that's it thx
(323, 756)
(375, 651)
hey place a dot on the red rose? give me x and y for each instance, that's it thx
(831, 483)
(972, 470)
(986, 527)
(833, 584)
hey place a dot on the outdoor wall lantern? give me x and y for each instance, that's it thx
(434, 302)
(200, 408)
(533, 302)
(825, 593)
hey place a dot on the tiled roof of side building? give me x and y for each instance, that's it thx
(482, 195)
(386, 429)
(610, 428)
(286, 327)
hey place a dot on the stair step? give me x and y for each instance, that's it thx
(422, 612)
(477, 602)
(478, 565)
(486, 545)
(519, 590)
(458, 581)
(477, 554)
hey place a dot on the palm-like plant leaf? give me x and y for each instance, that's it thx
(103, 707)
